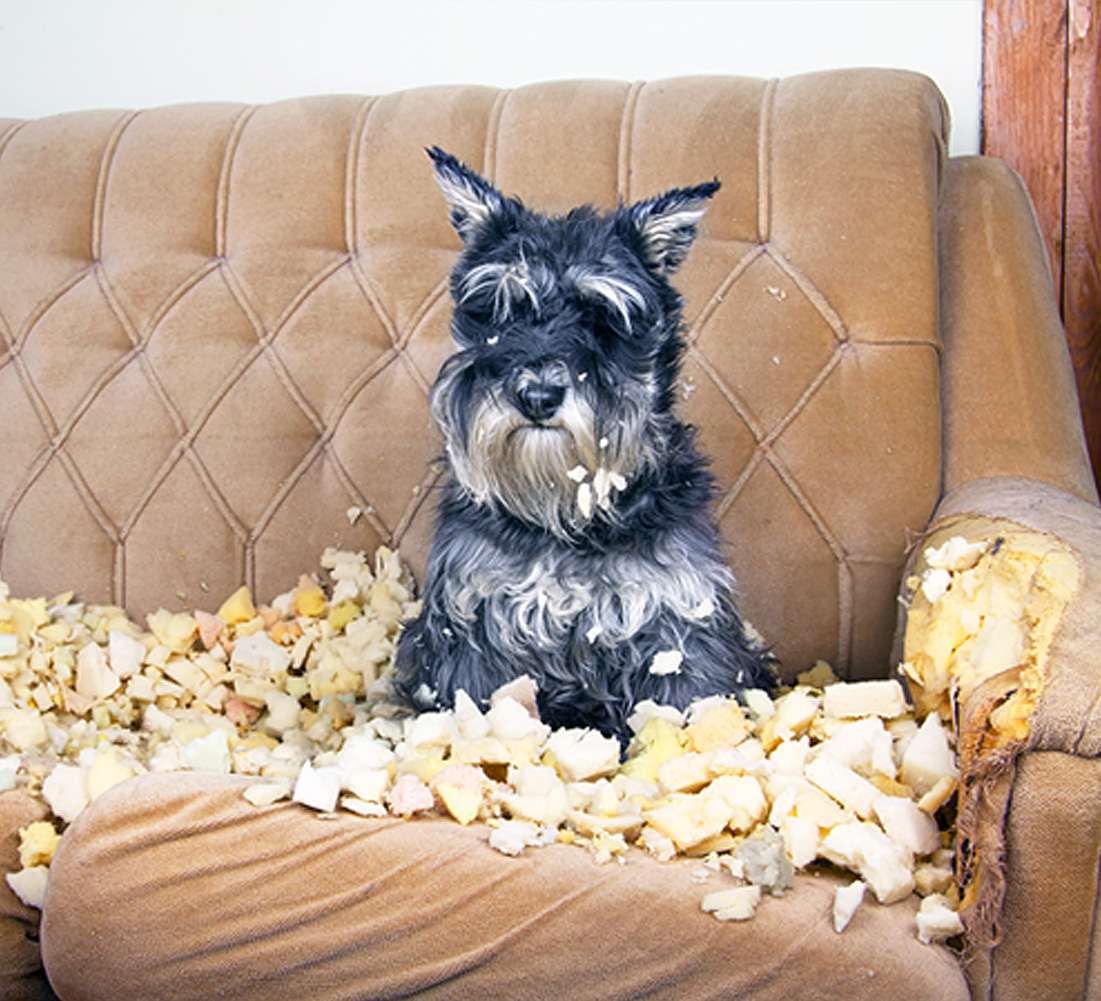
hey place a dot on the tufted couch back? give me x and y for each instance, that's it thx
(219, 324)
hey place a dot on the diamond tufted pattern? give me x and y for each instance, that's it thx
(219, 326)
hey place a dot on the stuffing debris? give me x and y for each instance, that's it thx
(981, 609)
(295, 694)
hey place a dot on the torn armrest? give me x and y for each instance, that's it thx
(998, 636)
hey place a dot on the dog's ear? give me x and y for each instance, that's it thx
(666, 225)
(473, 200)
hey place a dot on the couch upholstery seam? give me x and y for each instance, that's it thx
(810, 292)
(397, 354)
(764, 161)
(765, 452)
(87, 495)
(811, 390)
(323, 445)
(302, 296)
(766, 455)
(1086, 977)
(371, 297)
(732, 399)
(262, 349)
(210, 266)
(99, 198)
(423, 382)
(183, 433)
(325, 428)
(48, 301)
(418, 317)
(421, 492)
(316, 451)
(189, 432)
(625, 155)
(221, 200)
(268, 339)
(37, 401)
(717, 297)
(356, 138)
(491, 147)
(58, 435)
(765, 446)
(35, 470)
(11, 133)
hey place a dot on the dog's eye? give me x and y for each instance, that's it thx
(606, 323)
(473, 324)
(613, 305)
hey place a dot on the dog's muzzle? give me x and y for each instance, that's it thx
(538, 395)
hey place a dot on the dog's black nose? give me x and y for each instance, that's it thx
(538, 400)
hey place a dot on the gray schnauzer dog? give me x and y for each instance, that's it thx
(574, 541)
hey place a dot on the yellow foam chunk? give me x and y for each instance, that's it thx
(309, 599)
(37, 843)
(238, 607)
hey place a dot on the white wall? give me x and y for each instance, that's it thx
(59, 55)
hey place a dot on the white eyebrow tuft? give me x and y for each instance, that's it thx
(619, 294)
(509, 285)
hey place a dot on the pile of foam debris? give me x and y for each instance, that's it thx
(294, 693)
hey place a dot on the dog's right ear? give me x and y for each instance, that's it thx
(474, 201)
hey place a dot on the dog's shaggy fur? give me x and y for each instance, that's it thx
(574, 541)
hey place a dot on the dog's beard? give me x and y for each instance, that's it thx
(560, 474)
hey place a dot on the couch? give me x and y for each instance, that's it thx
(219, 325)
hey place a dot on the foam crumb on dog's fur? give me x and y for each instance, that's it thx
(667, 662)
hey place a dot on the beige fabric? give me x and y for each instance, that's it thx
(220, 323)
(1010, 402)
(233, 902)
(1049, 920)
(21, 975)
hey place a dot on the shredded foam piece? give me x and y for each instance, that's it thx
(29, 885)
(937, 919)
(736, 904)
(295, 695)
(846, 901)
(980, 609)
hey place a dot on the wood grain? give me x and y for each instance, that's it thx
(1081, 291)
(1024, 103)
(1042, 115)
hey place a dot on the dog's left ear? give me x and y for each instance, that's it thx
(666, 225)
(473, 200)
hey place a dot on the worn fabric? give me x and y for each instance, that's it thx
(1010, 402)
(221, 323)
(21, 974)
(1050, 941)
(231, 901)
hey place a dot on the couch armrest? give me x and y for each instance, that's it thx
(1026, 728)
(1010, 402)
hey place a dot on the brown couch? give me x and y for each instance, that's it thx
(219, 324)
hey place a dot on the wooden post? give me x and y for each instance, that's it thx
(1042, 114)
(1081, 289)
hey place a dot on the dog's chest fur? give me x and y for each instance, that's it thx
(560, 596)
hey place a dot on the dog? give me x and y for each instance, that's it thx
(574, 541)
